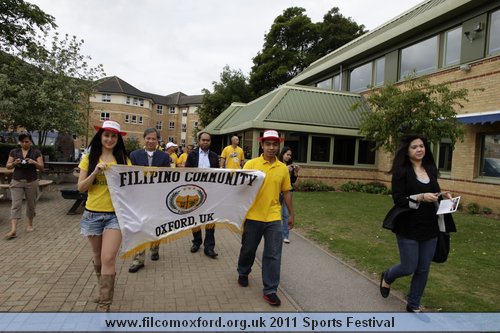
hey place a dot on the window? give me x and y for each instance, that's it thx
(133, 119)
(184, 113)
(104, 116)
(106, 98)
(171, 125)
(170, 139)
(320, 149)
(183, 129)
(344, 148)
(453, 44)
(379, 72)
(196, 124)
(140, 120)
(127, 118)
(183, 142)
(366, 152)
(135, 100)
(128, 100)
(336, 82)
(141, 101)
(490, 156)
(171, 109)
(159, 109)
(326, 84)
(159, 125)
(361, 78)
(494, 39)
(445, 155)
(412, 57)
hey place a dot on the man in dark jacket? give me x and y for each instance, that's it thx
(148, 156)
(202, 157)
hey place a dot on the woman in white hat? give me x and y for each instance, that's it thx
(99, 222)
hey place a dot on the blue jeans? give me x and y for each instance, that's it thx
(271, 257)
(284, 217)
(416, 257)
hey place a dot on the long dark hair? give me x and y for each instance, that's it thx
(402, 163)
(282, 152)
(95, 146)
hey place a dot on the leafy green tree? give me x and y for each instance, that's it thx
(294, 42)
(19, 21)
(233, 87)
(415, 107)
(131, 144)
(47, 90)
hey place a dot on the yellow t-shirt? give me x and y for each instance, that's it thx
(266, 206)
(173, 156)
(182, 159)
(98, 199)
(233, 157)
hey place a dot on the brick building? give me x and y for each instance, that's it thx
(453, 41)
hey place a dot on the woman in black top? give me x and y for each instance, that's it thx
(25, 161)
(285, 156)
(414, 186)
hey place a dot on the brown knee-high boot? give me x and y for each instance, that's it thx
(106, 291)
(97, 269)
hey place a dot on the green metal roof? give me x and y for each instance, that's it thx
(292, 108)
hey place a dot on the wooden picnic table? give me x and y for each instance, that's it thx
(60, 169)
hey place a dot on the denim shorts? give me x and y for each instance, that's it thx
(94, 224)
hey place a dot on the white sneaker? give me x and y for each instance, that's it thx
(286, 240)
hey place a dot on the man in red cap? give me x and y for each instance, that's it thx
(264, 218)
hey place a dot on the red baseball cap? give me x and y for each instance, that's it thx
(270, 135)
(112, 126)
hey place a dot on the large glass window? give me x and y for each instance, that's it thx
(421, 57)
(366, 152)
(494, 40)
(453, 43)
(379, 71)
(106, 98)
(490, 161)
(320, 149)
(326, 84)
(445, 156)
(159, 109)
(104, 116)
(344, 148)
(361, 78)
(336, 82)
(159, 125)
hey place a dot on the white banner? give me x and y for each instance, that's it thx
(156, 204)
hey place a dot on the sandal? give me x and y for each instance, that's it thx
(29, 229)
(10, 235)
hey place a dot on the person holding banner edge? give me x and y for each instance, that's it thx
(148, 156)
(203, 157)
(99, 222)
(263, 219)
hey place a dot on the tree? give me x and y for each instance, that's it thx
(47, 89)
(294, 42)
(233, 87)
(414, 107)
(18, 23)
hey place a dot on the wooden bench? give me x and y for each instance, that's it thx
(42, 183)
(73, 194)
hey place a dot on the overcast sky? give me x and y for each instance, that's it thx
(165, 46)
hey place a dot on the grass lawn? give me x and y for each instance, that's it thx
(350, 226)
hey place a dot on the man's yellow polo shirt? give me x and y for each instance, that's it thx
(266, 206)
(99, 199)
(233, 157)
(173, 156)
(182, 159)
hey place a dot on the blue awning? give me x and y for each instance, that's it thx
(479, 118)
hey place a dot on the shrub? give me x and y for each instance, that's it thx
(131, 144)
(473, 208)
(312, 186)
(5, 149)
(487, 211)
(373, 187)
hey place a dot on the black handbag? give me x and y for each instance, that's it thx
(442, 247)
(390, 218)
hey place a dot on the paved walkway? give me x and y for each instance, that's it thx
(50, 270)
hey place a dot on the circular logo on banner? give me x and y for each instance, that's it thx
(185, 198)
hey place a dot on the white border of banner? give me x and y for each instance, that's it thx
(250, 322)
